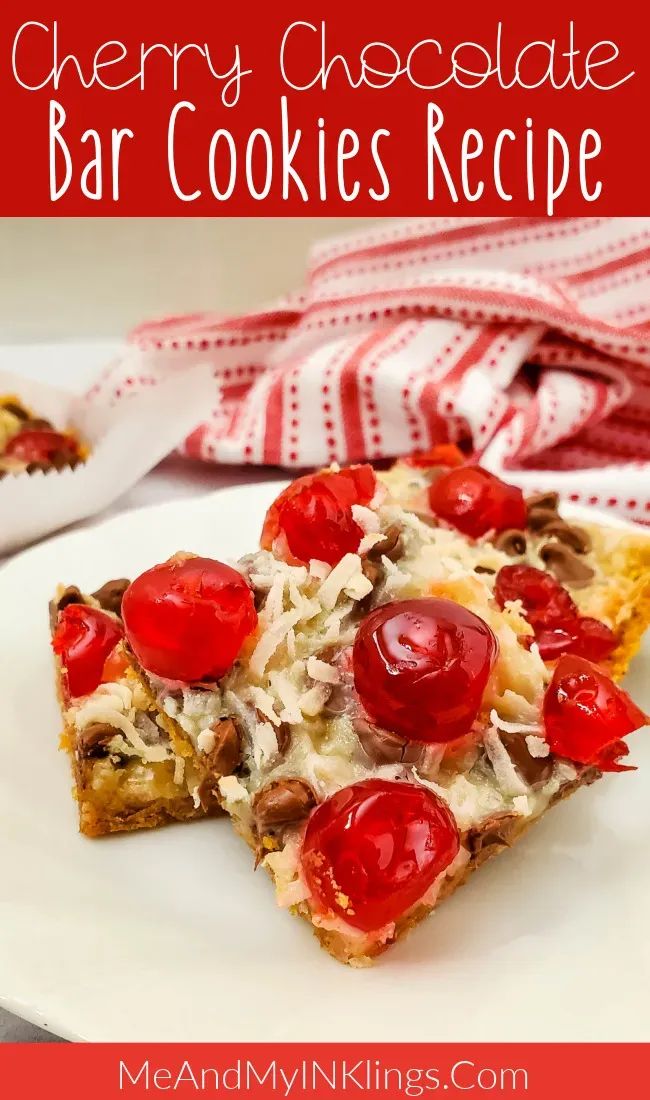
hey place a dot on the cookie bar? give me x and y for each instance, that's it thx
(395, 721)
(605, 570)
(29, 443)
(131, 771)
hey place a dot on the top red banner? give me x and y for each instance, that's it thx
(324, 109)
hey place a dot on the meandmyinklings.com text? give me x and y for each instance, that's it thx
(366, 1075)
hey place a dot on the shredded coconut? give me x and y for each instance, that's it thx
(512, 727)
(341, 576)
(232, 790)
(265, 703)
(271, 639)
(537, 746)
(367, 519)
(205, 740)
(320, 670)
(508, 779)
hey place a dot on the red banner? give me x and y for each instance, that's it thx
(136, 109)
(295, 1071)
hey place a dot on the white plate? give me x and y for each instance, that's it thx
(170, 936)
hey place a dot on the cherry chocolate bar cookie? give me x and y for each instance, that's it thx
(132, 768)
(29, 443)
(584, 588)
(394, 712)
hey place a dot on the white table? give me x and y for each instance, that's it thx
(73, 366)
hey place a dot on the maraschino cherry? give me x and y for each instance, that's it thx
(544, 600)
(586, 714)
(474, 501)
(312, 517)
(559, 628)
(421, 667)
(40, 445)
(188, 618)
(372, 850)
(84, 640)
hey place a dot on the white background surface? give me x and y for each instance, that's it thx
(78, 278)
(83, 278)
(73, 366)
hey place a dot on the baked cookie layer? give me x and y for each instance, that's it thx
(128, 772)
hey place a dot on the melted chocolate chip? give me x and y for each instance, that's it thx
(390, 546)
(15, 409)
(282, 802)
(548, 500)
(511, 542)
(539, 518)
(109, 596)
(492, 835)
(575, 537)
(534, 770)
(93, 740)
(565, 565)
(225, 756)
(385, 747)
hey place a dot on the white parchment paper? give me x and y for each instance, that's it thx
(126, 440)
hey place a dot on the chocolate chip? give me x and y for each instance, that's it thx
(36, 424)
(485, 569)
(566, 565)
(549, 500)
(282, 802)
(339, 700)
(575, 537)
(492, 835)
(282, 732)
(534, 770)
(539, 518)
(93, 740)
(511, 541)
(373, 571)
(225, 756)
(109, 596)
(390, 546)
(15, 409)
(283, 737)
(385, 747)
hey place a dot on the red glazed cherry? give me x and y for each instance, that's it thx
(372, 850)
(553, 614)
(421, 667)
(586, 714)
(188, 618)
(544, 599)
(474, 501)
(39, 445)
(593, 639)
(312, 517)
(83, 640)
(554, 640)
(443, 454)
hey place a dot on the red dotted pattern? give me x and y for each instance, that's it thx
(585, 406)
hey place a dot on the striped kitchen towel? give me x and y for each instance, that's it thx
(526, 339)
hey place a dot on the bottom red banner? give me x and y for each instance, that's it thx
(295, 1070)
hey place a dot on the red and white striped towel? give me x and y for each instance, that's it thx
(529, 336)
